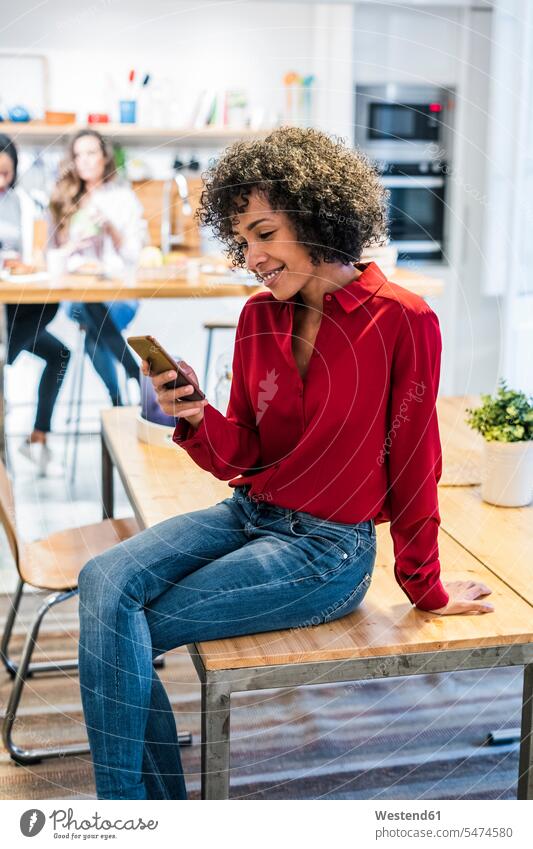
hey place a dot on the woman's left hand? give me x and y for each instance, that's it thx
(463, 597)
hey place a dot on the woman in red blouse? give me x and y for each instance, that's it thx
(331, 428)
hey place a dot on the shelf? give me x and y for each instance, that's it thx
(37, 132)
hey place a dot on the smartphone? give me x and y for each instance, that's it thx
(149, 349)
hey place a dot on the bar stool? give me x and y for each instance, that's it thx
(75, 403)
(211, 326)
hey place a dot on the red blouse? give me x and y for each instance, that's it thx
(358, 439)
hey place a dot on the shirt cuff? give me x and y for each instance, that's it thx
(432, 598)
(185, 434)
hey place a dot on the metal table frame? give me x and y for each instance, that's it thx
(218, 685)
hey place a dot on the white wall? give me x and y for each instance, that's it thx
(92, 46)
(476, 318)
(450, 46)
(333, 67)
(187, 48)
(413, 45)
(508, 242)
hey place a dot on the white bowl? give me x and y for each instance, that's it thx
(154, 434)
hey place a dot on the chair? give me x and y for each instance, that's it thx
(211, 326)
(52, 564)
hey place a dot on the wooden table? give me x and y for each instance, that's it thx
(386, 636)
(89, 288)
(164, 283)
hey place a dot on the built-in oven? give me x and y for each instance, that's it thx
(416, 207)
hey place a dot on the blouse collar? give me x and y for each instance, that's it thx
(359, 290)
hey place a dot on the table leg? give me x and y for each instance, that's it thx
(525, 767)
(107, 482)
(215, 746)
(3, 358)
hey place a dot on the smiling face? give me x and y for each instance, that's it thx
(271, 248)
(7, 171)
(89, 159)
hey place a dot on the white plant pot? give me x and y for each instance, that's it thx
(507, 477)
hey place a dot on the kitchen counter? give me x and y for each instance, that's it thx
(164, 283)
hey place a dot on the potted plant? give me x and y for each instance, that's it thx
(506, 424)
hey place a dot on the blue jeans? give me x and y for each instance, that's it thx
(238, 567)
(104, 343)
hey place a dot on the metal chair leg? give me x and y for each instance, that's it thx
(39, 666)
(23, 669)
(10, 665)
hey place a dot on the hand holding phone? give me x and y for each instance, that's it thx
(175, 384)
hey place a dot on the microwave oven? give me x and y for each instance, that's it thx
(397, 122)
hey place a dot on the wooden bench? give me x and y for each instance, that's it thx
(386, 637)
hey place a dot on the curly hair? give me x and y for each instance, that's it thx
(332, 194)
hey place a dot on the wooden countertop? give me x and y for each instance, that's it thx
(93, 289)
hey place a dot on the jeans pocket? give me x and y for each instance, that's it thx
(343, 542)
(350, 602)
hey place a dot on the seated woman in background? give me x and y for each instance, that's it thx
(99, 221)
(26, 323)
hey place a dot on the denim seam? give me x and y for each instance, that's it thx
(334, 545)
(234, 590)
(365, 580)
(369, 545)
(319, 522)
(123, 592)
(155, 771)
(340, 551)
